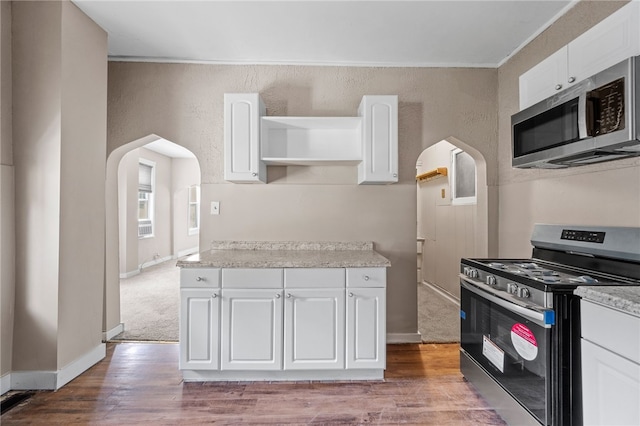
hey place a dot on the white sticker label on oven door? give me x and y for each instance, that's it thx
(524, 341)
(493, 353)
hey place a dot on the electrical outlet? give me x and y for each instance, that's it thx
(215, 207)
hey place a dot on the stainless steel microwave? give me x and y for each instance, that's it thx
(593, 121)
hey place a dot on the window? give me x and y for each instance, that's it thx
(463, 178)
(146, 177)
(194, 209)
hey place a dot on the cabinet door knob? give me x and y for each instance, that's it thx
(572, 79)
(395, 175)
(350, 294)
(558, 86)
(366, 278)
(214, 295)
(254, 174)
(277, 295)
(288, 295)
(199, 279)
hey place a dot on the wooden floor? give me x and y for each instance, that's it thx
(139, 383)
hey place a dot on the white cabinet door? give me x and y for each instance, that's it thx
(379, 139)
(242, 112)
(314, 328)
(199, 329)
(614, 39)
(610, 387)
(366, 328)
(544, 79)
(251, 329)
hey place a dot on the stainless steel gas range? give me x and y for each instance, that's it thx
(520, 321)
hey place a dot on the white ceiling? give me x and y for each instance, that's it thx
(456, 33)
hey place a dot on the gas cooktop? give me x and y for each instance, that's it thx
(550, 273)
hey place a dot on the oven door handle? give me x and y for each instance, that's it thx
(543, 317)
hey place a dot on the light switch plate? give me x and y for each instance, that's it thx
(215, 207)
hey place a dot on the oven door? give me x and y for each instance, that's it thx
(511, 342)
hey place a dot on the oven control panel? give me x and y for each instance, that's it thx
(585, 236)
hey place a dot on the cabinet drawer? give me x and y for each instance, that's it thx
(366, 277)
(252, 278)
(200, 278)
(614, 330)
(314, 278)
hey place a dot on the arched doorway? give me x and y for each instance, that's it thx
(150, 221)
(452, 222)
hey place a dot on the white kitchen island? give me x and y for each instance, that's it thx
(283, 311)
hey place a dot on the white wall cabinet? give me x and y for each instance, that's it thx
(253, 140)
(614, 39)
(379, 140)
(288, 324)
(610, 366)
(242, 163)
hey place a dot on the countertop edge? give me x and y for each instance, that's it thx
(236, 258)
(622, 298)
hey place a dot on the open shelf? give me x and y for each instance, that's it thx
(432, 174)
(311, 140)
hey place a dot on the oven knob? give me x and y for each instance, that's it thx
(524, 292)
(491, 280)
(474, 273)
(512, 288)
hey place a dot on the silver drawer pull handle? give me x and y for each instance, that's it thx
(214, 295)
(366, 277)
(572, 79)
(277, 295)
(199, 279)
(350, 294)
(288, 295)
(558, 86)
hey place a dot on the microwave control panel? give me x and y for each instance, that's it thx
(606, 105)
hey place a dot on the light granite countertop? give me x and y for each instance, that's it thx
(624, 298)
(259, 254)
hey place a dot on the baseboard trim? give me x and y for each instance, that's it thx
(187, 252)
(129, 274)
(110, 334)
(82, 364)
(394, 338)
(53, 380)
(153, 262)
(442, 293)
(5, 383)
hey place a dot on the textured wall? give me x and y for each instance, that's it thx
(184, 103)
(599, 194)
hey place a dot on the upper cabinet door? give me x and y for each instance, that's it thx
(543, 80)
(242, 112)
(379, 139)
(614, 39)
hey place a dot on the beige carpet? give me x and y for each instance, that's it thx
(438, 317)
(150, 304)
